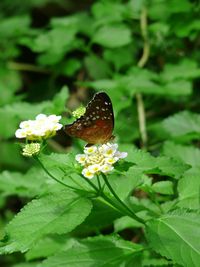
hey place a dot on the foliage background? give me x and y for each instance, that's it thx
(144, 54)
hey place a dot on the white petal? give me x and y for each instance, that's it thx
(20, 133)
(41, 117)
(111, 160)
(90, 149)
(121, 155)
(94, 168)
(81, 158)
(87, 173)
(54, 118)
(106, 168)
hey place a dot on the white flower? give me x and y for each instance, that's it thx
(87, 173)
(42, 127)
(90, 150)
(20, 133)
(94, 168)
(111, 160)
(106, 168)
(81, 158)
(99, 159)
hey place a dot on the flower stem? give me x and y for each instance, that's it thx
(99, 183)
(90, 183)
(101, 194)
(53, 177)
(133, 215)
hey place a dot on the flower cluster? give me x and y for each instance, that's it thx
(31, 149)
(41, 128)
(99, 159)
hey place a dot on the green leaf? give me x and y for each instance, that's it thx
(161, 165)
(70, 67)
(156, 262)
(163, 187)
(171, 167)
(27, 185)
(187, 154)
(14, 26)
(189, 189)
(49, 246)
(58, 102)
(10, 82)
(7, 148)
(62, 167)
(107, 12)
(97, 67)
(182, 123)
(176, 236)
(97, 251)
(187, 69)
(96, 219)
(126, 222)
(119, 57)
(113, 36)
(58, 213)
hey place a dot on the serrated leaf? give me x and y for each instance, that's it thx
(58, 213)
(182, 123)
(171, 167)
(26, 185)
(102, 251)
(62, 167)
(49, 246)
(189, 189)
(163, 165)
(176, 236)
(187, 154)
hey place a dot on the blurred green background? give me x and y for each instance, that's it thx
(98, 45)
(55, 54)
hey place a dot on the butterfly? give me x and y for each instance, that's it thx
(96, 125)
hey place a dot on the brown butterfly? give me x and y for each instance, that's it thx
(96, 125)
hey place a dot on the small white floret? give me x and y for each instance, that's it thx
(81, 158)
(90, 149)
(87, 173)
(94, 168)
(106, 168)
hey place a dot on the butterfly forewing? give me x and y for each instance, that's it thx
(96, 125)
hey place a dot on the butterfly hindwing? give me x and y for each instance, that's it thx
(97, 124)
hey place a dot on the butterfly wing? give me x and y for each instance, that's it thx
(96, 125)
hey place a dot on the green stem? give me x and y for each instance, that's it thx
(53, 177)
(120, 201)
(99, 183)
(101, 194)
(90, 183)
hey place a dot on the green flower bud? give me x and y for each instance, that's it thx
(31, 149)
(79, 112)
